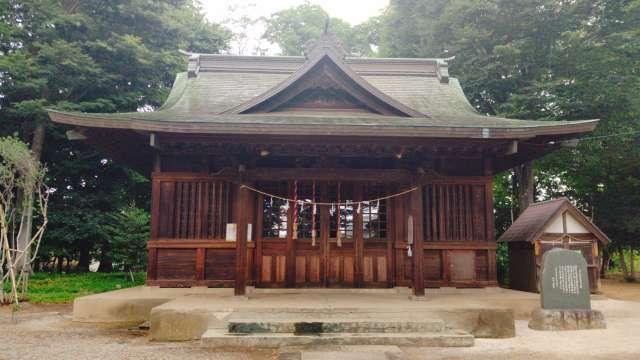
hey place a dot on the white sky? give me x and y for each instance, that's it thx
(352, 11)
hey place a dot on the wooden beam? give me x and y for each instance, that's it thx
(418, 239)
(280, 174)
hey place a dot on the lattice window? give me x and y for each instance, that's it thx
(374, 220)
(274, 211)
(274, 218)
(305, 226)
(193, 209)
(346, 213)
(343, 214)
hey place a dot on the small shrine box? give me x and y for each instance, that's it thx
(546, 225)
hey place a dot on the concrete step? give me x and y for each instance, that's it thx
(221, 338)
(314, 325)
(353, 352)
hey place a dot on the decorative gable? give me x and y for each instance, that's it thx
(325, 83)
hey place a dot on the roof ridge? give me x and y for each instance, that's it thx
(318, 55)
(561, 198)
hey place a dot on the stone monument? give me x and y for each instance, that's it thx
(564, 294)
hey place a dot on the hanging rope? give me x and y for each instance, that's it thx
(312, 202)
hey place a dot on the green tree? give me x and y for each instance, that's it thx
(544, 59)
(93, 56)
(294, 28)
(128, 231)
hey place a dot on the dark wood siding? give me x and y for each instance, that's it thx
(191, 211)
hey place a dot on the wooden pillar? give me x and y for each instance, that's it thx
(324, 235)
(489, 220)
(242, 205)
(155, 228)
(418, 240)
(399, 217)
(358, 238)
(290, 276)
(489, 200)
(257, 235)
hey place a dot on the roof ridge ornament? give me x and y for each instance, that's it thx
(442, 69)
(193, 67)
(327, 42)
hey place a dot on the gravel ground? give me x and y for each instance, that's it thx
(46, 331)
(616, 288)
(41, 333)
(621, 340)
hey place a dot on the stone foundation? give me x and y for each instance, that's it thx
(545, 319)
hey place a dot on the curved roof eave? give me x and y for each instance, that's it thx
(338, 126)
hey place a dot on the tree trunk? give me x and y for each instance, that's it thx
(26, 219)
(623, 264)
(84, 259)
(632, 265)
(606, 259)
(59, 264)
(524, 185)
(106, 265)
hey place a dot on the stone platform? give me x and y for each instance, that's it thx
(558, 320)
(322, 317)
(272, 317)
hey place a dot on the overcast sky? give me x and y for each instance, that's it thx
(352, 11)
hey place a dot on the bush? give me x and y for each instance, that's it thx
(127, 231)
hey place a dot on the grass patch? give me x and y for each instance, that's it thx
(62, 288)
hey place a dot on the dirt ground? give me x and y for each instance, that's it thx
(616, 288)
(46, 331)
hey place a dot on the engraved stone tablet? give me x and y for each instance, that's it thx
(564, 281)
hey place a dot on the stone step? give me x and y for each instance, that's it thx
(221, 338)
(311, 325)
(353, 352)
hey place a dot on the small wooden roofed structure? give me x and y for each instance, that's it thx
(546, 225)
(331, 129)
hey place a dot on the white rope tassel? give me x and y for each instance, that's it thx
(338, 225)
(313, 231)
(359, 207)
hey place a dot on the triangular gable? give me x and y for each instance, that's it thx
(573, 225)
(538, 217)
(325, 74)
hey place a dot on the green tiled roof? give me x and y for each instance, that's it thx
(201, 100)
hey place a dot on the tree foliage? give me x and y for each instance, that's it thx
(534, 59)
(128, 232)
(91, 56)
(20, 173)
(545, 59)
(294, 28)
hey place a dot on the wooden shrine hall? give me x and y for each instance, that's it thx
(319, 171)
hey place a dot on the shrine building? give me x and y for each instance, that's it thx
(320, 171)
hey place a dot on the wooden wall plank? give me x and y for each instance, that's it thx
(200, 259)
(152, 262)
